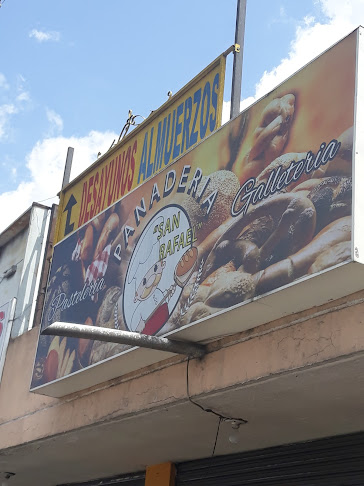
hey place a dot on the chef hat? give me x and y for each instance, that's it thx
(146, 252)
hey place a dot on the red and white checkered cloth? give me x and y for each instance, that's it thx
(98, 267)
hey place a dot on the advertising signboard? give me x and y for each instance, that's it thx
(263, 204)
(184, 120)
(6, 312)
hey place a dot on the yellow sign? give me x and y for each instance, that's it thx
(179, 124)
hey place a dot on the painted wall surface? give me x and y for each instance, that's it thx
(331, 334)
(25, 250)
(6, 320)
(262, 203)
(12, 254)
(31, 270)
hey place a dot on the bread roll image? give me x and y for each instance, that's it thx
(101, 351)
(304, 188)
(259, 230)
(230, 289)
(98, 222)
(339, 253)
(186, 266)
(208, 243)
(110, 227)
(87, 247)
(106, 313)
(230, 146)
(341, 164)
(198, 310)
(227, 185)
(297, 265)
(270, 136)
(332, 199)
(294, 225)
(278, 113)
(239, 253)
(209, 280)
(284, 161)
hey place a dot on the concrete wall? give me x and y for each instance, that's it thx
(315, 337)
(12, 254)
(31, 270)
(25, 250)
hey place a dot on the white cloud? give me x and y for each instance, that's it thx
(346, 9)
(6, 109)
(312, 37)
(3, 82)
(42, 36)
(23, 96)
(21, 89)
(15, 103)
(245, 103)
(46, 165)
(5, 113)
(55, 122)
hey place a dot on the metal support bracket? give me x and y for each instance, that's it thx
(236, 47)
(125, 337)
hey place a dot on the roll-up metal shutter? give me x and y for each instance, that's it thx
(335, 461)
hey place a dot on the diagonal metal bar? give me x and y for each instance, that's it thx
(125, 337)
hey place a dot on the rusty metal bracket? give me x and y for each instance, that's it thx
(125, 337)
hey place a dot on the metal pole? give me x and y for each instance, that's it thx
(125, 337)
(238, 58)
(67, 167)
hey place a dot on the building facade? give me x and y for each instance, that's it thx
(250, 245)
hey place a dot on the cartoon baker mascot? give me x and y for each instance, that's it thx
(152, 310)
(152, 287)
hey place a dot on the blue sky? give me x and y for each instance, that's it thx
(71, 70)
